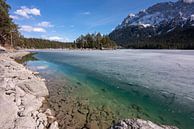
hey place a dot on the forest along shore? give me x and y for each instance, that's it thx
(22, 96)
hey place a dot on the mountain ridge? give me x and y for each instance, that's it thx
(159, 20)
(161, 13)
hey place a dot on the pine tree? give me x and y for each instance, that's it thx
(6, 23)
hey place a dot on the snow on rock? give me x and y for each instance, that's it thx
(188, 1)
(166, 12)
(146, 25)
(192, 17)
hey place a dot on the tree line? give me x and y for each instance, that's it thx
(36, 43)
(147, 38)
(95, 41)
(8, 29)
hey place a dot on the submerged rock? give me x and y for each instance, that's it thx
(139, 124)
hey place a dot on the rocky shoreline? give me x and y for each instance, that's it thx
(22, 96)
(139, 124)
(26, 103)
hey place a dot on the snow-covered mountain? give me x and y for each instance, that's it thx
(179, 12)
(159, 19)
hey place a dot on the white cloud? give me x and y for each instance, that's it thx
(86, 13)
(27, 28)
(27, 12)
(14, 17)
(56, 38)
(36, 29)
(45, 24)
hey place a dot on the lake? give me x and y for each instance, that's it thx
(98, 88)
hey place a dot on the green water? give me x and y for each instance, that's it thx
(125, 99)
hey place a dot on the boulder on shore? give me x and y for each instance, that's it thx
(139, 124)
(2, 48)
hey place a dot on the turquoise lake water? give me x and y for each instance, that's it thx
(147, 84)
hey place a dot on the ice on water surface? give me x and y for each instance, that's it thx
(160, 83)
(167, 71)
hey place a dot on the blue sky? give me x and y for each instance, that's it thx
(65, 20)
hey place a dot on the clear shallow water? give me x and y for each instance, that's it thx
(153, 85)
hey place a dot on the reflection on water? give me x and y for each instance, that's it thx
(116, 85)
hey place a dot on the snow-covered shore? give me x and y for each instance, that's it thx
(22, 96)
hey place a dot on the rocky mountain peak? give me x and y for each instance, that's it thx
(160, 13)
(158, 23)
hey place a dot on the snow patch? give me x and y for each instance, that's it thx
(170, 30)
(192, 17)
(146, 25)
(188, 1)
(131, 15)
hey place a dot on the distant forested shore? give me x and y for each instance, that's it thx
(179, 38)
(89, 41)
